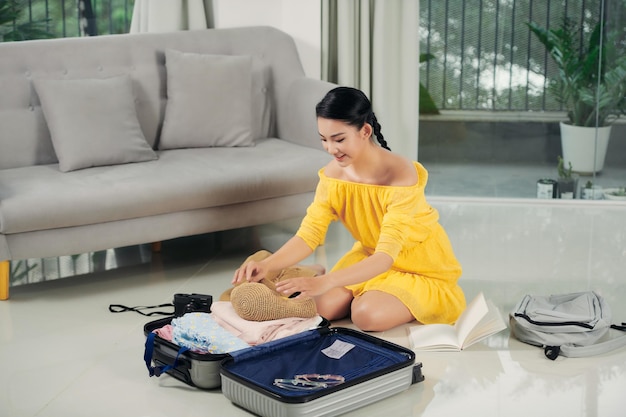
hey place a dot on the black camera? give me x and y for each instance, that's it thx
(192, 303)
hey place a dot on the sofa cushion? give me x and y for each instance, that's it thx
(93, 122)
(208, 101)
(179, 180)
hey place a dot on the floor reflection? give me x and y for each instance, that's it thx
(35, 270)
(507, 249)
(29, 271)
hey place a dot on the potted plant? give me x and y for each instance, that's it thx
(567, 182)
(591, 85)
(618, 193)
(591, 192)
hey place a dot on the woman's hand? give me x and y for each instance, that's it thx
(251, 272)
(304, 286)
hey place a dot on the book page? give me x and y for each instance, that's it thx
(471, 317)
(489, 325)
(433, 337)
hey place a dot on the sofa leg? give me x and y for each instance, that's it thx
(4, 280)
(156, 247)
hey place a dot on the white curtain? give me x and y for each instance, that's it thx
(168, 15)
(373, 45)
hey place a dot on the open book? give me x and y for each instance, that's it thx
(480, 320)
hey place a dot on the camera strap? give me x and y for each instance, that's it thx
(119, 308)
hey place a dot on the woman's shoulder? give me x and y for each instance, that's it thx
(403, 172)
(331, 170)
(394, 171)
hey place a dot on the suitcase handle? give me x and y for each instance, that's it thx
(149, 351)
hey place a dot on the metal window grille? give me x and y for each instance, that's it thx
(71, 18)
(485, 56)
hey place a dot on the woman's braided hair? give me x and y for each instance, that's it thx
(351, 106)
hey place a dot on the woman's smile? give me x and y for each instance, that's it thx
(340, 157)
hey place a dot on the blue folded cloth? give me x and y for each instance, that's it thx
(201, 334)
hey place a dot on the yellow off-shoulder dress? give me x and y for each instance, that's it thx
(398, 221)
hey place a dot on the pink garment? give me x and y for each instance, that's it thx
(257, 332)
(166, 332)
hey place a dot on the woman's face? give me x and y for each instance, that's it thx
(342, 141)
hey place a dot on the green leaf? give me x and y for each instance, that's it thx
(591, 81)
(12, 29)
(427, 104)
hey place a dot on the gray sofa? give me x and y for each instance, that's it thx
(83, 170)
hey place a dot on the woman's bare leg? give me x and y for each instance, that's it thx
(334, 304)
(376, 311)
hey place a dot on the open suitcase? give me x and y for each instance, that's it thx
(195, 369)
(323, 372)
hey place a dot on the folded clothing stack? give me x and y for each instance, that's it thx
(202, 334)
(223, 331)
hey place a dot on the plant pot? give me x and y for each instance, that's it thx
(614, 194)
(593, 193)
(579, 147)
(567, 187)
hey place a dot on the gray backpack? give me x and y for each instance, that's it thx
(566, 324)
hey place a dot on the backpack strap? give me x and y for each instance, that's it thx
(572, 351)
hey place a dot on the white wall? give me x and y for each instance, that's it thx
(299, 18)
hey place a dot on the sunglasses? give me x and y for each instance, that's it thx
(308, 382)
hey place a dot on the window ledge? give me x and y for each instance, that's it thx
(499, 116)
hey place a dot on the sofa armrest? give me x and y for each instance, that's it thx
(296, 119)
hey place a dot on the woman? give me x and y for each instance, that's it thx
(402, 266)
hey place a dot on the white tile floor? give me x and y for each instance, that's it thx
(62, 353)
